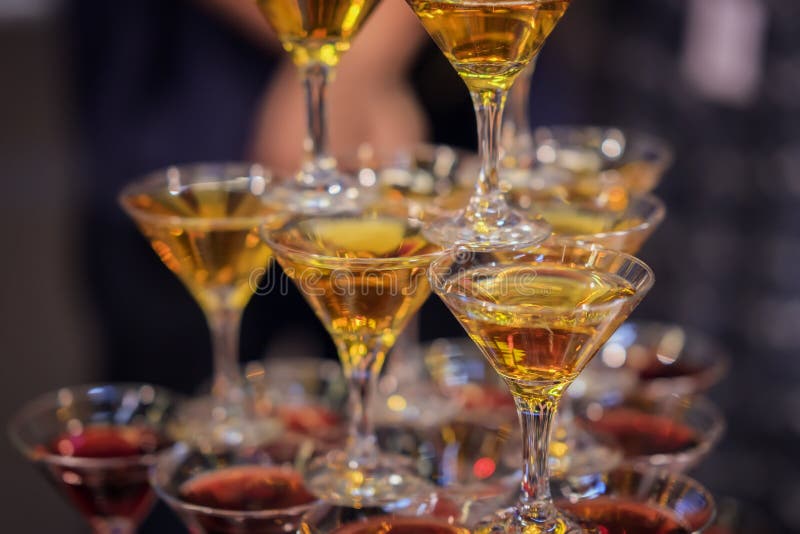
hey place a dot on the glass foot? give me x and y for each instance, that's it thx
(321, 190)
(512, 230)
(510, 521)
(339, 480)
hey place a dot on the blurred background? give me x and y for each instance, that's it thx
(96, 93)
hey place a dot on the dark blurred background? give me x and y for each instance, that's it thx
(95, 93)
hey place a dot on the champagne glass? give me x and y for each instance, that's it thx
(673, 433)
(363, 273)
(633, 501)
(95, 443)
(489, 43)
(202, 220)
(316, 33)
(668, 359)
(228, 492)
(539, 317)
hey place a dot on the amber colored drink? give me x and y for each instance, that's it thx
(537, 345)
(364, 277)
(316, 31)
(489, 43)
(210, 240)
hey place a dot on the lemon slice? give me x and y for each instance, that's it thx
(372, 236)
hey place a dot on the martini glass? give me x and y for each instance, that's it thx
(202, 221)
(668, 359)
(539, 317)
(316, 33)
(364, 274)
(672, 433)
(635, 501)
(95, 444)
(229, 492)
(489, 43)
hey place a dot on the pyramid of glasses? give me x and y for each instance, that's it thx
(529, 244)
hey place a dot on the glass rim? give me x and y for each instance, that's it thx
(437, 281)
(174, 452)
(157, 180)
(664, 153)
(648, 200)
(48, 400)
(281, 250)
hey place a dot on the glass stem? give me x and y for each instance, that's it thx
(488, 202)
(225, 325)
(316, 77)
(362, 445)
(536, 417)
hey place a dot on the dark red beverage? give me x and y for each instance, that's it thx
(104, 470)
(617, 516)
(306, 424)
(269, 499)
(643, 434)
(308, 419)
(656, 370)
(401, 525)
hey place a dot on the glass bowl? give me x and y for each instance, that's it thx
(230, 492)
(95, 443)
(671, 433)
(668, 359)
(632, 497)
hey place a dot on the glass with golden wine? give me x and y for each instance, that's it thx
(203, 222)
(316, 33)
(489, 43)
(539, 317)
(363, 272)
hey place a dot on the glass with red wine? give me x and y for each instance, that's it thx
(674, 433)
(666, 359)
(95, 444)
(231, 492)
(640, 501)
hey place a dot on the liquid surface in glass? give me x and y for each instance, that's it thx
(561, 316)
(247, 488)
(363, 304)
(316, 31)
